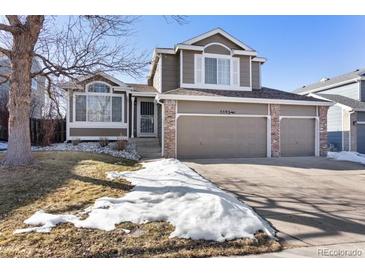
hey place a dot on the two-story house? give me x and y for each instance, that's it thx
(203, 99)
(346, 119)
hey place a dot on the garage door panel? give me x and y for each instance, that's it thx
(297, 137)
(221, 137)
(361, 138)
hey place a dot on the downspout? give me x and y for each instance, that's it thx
(350, 135)
(158, 101)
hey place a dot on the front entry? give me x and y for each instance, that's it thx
(146, 117)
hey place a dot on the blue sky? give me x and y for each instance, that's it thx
(299, 49)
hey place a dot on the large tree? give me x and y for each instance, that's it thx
(65, 47)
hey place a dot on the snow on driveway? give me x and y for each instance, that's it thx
(167, 190)
(347, 156)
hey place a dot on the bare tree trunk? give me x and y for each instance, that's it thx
(19, 146)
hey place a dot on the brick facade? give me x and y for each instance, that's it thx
(323, 136)
(169, 129)
(275, 130)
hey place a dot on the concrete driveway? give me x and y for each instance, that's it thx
(310, 201)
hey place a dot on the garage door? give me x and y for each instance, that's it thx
(361, 138)
(221, 137)
(297, 137)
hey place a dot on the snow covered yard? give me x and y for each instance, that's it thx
(347, 156)
(129, 153)
(166, 190)
(66, 183)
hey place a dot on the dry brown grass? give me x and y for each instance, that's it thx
(65, 182)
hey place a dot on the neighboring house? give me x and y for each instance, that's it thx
(203, 99)
(346, 119)
(38, 88)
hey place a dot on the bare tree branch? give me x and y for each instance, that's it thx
(4, 27)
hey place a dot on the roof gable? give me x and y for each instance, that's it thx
(217, 35)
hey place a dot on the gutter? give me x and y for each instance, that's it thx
(240, 100)
(354, 80)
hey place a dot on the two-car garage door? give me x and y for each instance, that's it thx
(203, 132)
(221, 137)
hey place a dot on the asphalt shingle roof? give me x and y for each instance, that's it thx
(142, 88)
(352, 103)
(331, 81)
(264, 92)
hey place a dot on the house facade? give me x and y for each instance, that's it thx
(346, 118)
(203, 99)
(38, 95)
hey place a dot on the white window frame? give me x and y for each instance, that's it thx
(220, 56)
(87, 124)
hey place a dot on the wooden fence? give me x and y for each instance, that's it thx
(38, 129)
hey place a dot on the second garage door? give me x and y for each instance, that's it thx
(221, 137)
(297, 137)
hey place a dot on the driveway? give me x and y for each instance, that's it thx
(310, 201)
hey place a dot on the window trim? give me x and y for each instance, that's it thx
(98, 82)
(232, 86)
(98, 124)
(219, 56)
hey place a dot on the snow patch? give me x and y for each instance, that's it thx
(129, 153)
(347, 156)
(167, 190)
(3, 146)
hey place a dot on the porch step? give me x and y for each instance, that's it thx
(148, 148)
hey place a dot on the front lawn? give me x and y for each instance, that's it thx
(68, 182)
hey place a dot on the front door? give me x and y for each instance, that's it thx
(146, 117)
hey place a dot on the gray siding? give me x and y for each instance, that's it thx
(156, 81)
(95, 132)
(220, 107)
(188, 66)
(218, 38)
(244, 71)
(170, 73)
(350, 90)
(256, 77)
(334, 127)
(293, 110)
(362, 91)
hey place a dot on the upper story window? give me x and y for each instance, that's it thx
(98, 87)
(217, 71)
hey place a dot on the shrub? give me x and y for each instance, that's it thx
(75, 142)
(121, 144)
(103, 142)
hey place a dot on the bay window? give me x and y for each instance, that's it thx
(97, 106)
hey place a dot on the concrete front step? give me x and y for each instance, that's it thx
(148, 148)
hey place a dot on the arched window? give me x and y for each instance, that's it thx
(98, 87)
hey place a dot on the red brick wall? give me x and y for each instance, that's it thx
(323, 130)
(275, 130)
(170, 129)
